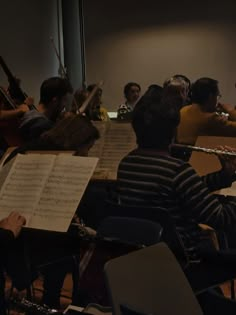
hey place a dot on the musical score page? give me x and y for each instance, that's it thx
(117, 139)
(46, 189)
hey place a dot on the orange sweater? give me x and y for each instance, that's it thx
(194, 122)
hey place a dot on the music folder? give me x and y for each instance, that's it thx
(45, 188)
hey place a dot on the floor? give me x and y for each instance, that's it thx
(67, 290)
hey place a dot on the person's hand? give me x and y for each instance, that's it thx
(29, 100)
(13, 222)
(228, 162)
(225, 107)
(23, 108)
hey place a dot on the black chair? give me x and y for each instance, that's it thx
(200, 275)
(139, 232)
(155, 214)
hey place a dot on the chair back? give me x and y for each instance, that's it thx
(158, 215)
(142, 282)
(133, 231)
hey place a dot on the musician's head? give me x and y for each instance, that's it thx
(93, 109)
(205, 92)
(132, 92)
(75, 132)
(155, 122)
(178, 85)
(97, 98)
(154, 93)
(55, 96)
(79, 97)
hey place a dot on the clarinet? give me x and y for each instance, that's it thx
(35, 309)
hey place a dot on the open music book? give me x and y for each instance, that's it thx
(45, 188)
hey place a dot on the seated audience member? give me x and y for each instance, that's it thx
(54, 97)
(75, 133)
(132, 94)
(150, 176)
(178, 85)
(10, 228)
(200, 118)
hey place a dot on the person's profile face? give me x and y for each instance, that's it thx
(133, 94)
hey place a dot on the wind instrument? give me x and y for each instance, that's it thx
(204, 150)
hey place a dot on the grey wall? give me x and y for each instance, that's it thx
(148, 41)
(25, 30)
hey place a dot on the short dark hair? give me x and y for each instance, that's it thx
(54, 87)
(203, 88)
(128, 87)
(154, 93)
(155, 122)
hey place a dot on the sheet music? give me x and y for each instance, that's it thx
(62, 192)
(24, 183)
(117, 140)
(46, 189)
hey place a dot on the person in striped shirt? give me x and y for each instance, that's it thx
(150, 176)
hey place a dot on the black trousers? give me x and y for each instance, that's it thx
(46, 252)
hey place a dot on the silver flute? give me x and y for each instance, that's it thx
(204, 150)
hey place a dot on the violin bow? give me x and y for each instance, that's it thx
(85, 104)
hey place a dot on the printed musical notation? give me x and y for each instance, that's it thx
(46, 188)
(117, 139)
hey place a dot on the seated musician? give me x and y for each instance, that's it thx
(132, 93)
(200, 118)
(178, 85)
(96, 110)
(10, 228)
(150, 176)
(80, 96)
(54, 97)
(75, 133)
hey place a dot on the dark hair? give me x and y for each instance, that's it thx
(128, 87)
(155, 123)
(203, 88)
(71, 133)
(54, 87)
(91, 87)
(154, 93)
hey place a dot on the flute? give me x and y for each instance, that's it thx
(204, 150)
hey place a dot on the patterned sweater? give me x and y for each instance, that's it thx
(151, 179)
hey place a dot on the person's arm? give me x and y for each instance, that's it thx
(229, 109)
(218, 126)
(199, 203)
(13, 113)
(224, 177)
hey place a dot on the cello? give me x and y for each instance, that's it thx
(12, 99)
